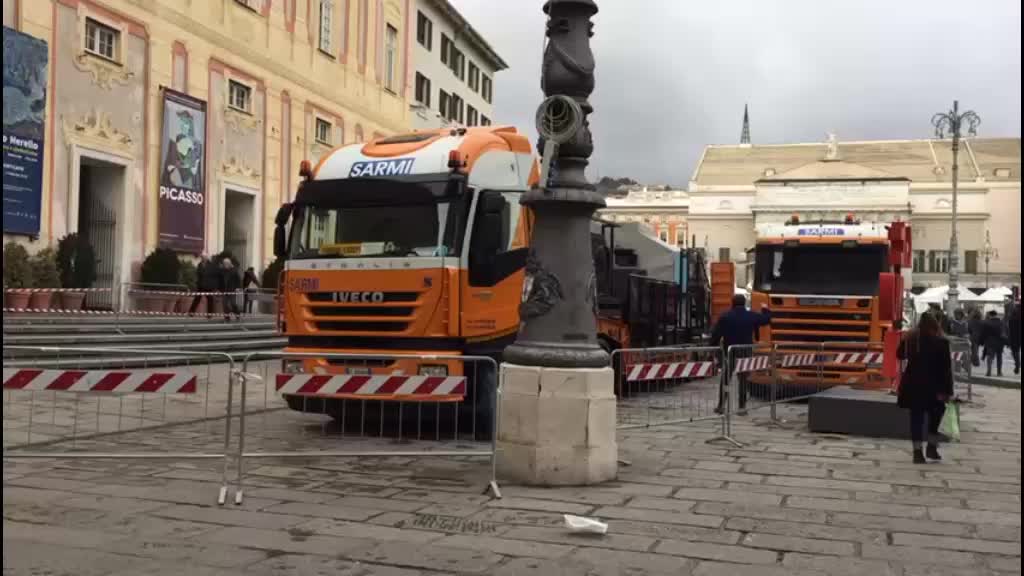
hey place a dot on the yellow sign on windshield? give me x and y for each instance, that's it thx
(351, 249)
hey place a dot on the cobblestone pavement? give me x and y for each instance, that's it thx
(787, 503)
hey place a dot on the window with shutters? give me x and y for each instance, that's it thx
(938, 261)
(474, 77)
(239, 96)
(485, 121)
(724, 255)
(102, 40)
(443, 104)
(324, 132)
(472, 116)
(446, 48)
(920, 260)
(425, 31)
(327, 27)
(391, 58)
(971, 258)
(488, 89)
(423, 89)
(457, 110)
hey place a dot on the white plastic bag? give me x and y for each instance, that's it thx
(582, 525)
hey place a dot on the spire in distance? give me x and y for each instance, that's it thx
(745, 137)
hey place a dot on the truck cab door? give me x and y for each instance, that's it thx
(492, 286)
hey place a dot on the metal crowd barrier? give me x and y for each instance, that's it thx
(370, 402)
(60, 404)
(671, 386)
(963, 368)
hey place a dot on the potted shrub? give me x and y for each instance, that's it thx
(160, 271)
(46, 277)
(76, 262)
(17, 276)
(188, 277)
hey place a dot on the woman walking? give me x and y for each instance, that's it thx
(927, 383)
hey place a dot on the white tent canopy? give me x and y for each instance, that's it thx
(940, 294)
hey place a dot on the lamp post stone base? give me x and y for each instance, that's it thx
(558, 426)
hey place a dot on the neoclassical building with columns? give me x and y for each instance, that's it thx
(736, 187)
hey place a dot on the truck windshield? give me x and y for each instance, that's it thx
(387, 223)
(828, 270)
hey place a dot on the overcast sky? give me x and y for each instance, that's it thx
(673, 75)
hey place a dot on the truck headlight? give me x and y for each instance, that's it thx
(357, 370)
(433, 370)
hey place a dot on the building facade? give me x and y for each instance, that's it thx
(454, 69)
(182, 123)
(661, 209)
(734, 188)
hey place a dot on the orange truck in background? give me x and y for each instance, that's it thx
(824, 285)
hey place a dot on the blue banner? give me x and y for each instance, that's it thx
(26, 62)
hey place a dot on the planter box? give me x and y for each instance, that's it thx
(16, 300)
(72, 300)
(41, 300)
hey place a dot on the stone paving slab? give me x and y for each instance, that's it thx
(788, 503)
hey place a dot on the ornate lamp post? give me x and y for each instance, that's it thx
(558, 410)
(952, 123)
(559, 328)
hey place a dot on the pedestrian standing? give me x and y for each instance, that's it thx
(736, 328)
(250, 286)
(976, 326)
(994, 342)
(1013, 327)
(230, 285)
(926, 384)
(205, 271)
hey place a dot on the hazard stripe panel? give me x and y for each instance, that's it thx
(375, 386)
(669, 370)
(108, 381)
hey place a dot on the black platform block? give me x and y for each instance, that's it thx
(843, 410)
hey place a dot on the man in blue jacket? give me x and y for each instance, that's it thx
(737, 328)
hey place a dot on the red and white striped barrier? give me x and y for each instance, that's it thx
(799, 360)
(427, 387)
(56, 290)
(114, 381)
(754, 364)
(669, 371)
(108, 312)
(859, 358)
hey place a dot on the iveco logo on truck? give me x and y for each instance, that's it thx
(359, 297)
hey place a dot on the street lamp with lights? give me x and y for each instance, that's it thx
(952, 123)
(989, 252)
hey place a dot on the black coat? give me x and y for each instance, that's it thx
(229, 280)
(1014, 327)
(976, 327)
(209, 277)
(993, 337)
(737, 326)
(928, 373)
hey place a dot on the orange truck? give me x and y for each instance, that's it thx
(825, 285)
(408, 245)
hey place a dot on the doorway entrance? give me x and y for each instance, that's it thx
(100, 187)
(239, 222)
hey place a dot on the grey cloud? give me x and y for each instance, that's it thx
(673, 75)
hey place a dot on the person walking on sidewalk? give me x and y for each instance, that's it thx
(736, 328)
(976, 327)
(1013, 327)
(250, 285)
(207, 279)
(230, 284)
(926, 384)
(993, 339)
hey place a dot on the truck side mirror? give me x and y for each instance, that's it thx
(280, 240)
